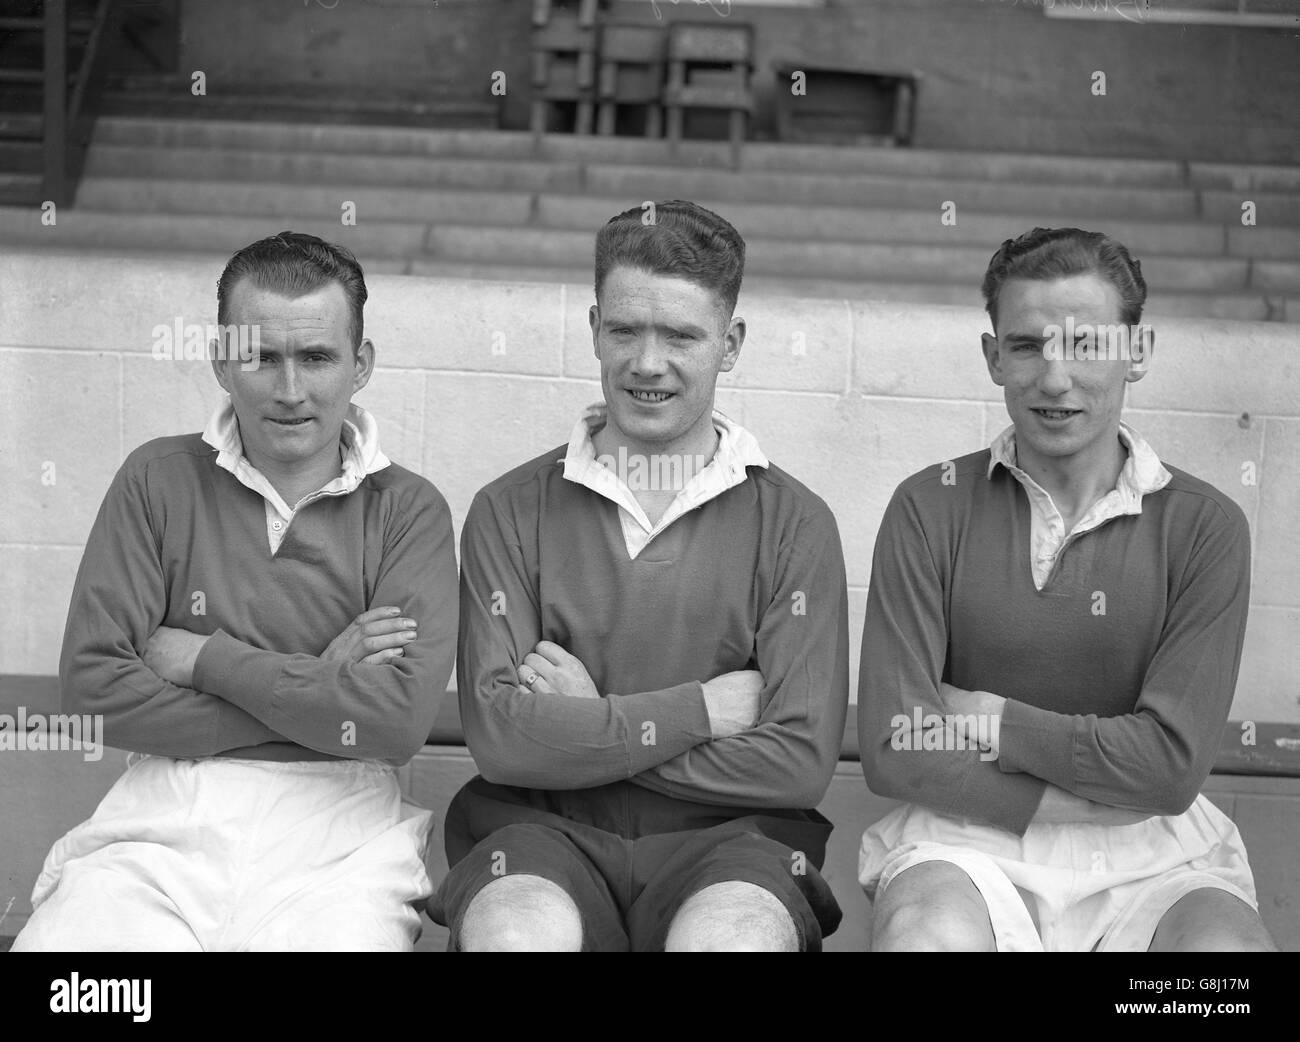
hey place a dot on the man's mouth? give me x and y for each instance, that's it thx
(649, 397)
(1056, 414)
(291, 422)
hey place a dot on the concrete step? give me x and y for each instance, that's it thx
(184, 233)
(1230, 306)
(285, 201)
(1246, 306)
(21, 156)
(857, 261)
(20, 189)
(1277, 277)
(317, 169)
(22, 126)
(443, 104)
(633, 183)
(586, 213)
(1269, 243)
(215, 259)
(822, 223)
(569, 148)
(639, 183)
(1244, 177)
(1271, 208)
(1241, 307)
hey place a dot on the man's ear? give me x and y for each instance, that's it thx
(733, 340)
(593, 320)
(218, 366)
(1140, 352)
(992, 357)
(364, 365)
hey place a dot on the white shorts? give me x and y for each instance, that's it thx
(238, 855)
(1068, 887)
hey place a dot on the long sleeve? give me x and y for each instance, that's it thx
(1156, 758)
(788, 759)
(346, 708)
(904, 649)
(538, 740)
(119, 599)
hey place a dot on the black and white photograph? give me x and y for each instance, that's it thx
(650, 475)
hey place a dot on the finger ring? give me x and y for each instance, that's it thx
(530, 677)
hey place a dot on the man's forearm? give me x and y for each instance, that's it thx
(338, 707)
(1057, 806)
(146, 713)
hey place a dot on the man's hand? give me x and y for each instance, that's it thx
(550, 670)
(374, 636)
(733, 701)
(171, 652)
(962, 704)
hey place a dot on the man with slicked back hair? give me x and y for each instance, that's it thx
(1053, 631)
(266, 617)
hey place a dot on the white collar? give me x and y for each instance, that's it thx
(1142, 474)
(358, 449)
(737, 448)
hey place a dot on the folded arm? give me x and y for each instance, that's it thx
(787, 759)
(977, 718)
(904, 649)
(348, 708)
(1155, 759)
(119, 600)
(541, 740)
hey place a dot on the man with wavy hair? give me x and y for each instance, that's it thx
(1053, 631)
(653, 652)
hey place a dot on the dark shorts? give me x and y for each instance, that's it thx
(629, 857)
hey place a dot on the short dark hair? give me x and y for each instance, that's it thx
(1055, 253)
(293, 263)
(684, 240)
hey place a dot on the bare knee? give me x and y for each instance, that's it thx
(733, 916)
(932, 907)
(1211, 920)
(521, 914)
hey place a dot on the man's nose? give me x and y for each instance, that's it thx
(289, 386)
(650, 355)
(1054, 378)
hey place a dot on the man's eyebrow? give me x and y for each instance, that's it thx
(313, 348)
(1017, 336)
(687, 327)
(638, 322)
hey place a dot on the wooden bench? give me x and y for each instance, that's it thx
(42, 796)
(845, 106)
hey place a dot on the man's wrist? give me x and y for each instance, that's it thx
(991, 706)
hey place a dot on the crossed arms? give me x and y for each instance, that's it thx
(765, 738)
(1050, 766)
(240, 695)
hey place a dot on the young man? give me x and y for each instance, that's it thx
(267, 612)
(1051, 646)
(652, 668)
